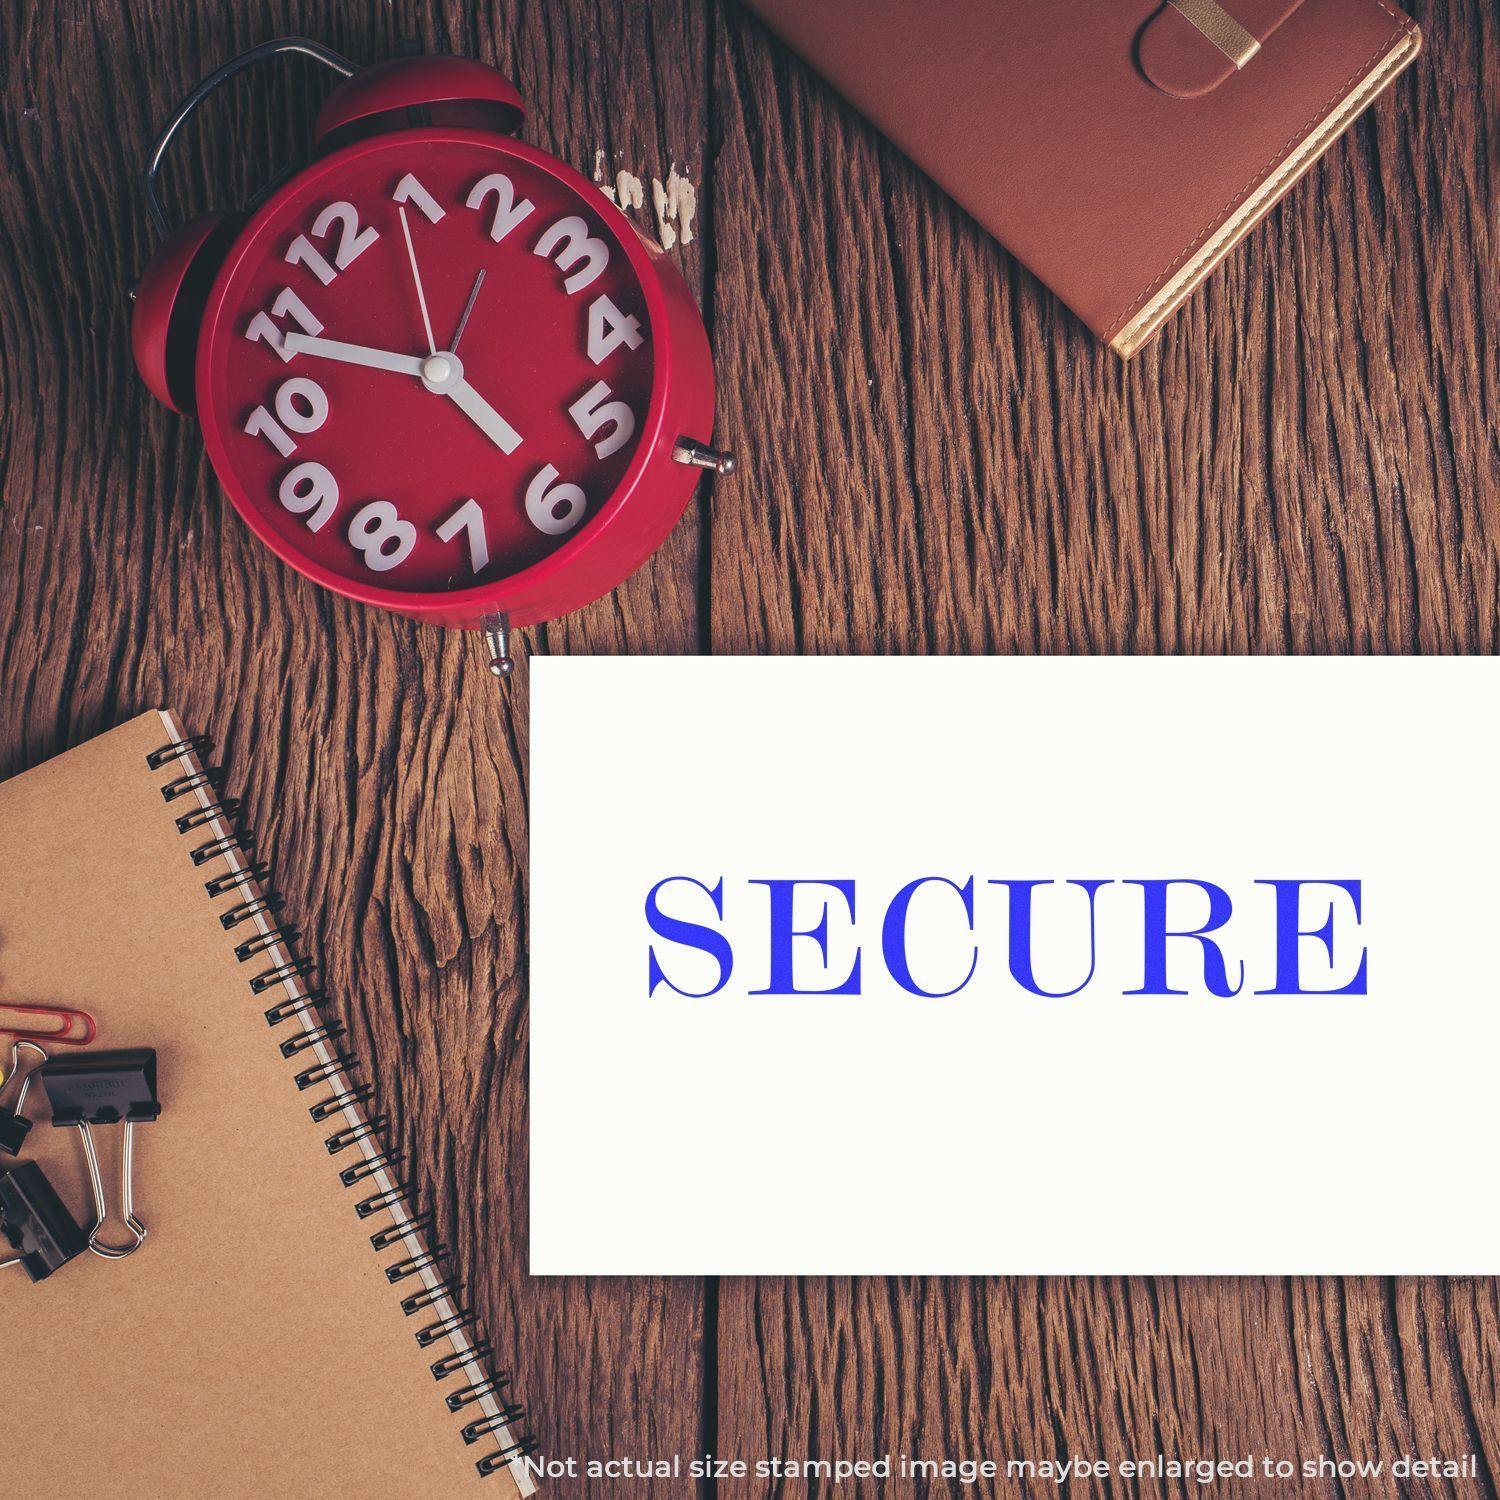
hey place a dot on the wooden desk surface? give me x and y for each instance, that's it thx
(935, 457)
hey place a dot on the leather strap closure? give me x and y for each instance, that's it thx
(1191, 47)
(1220, 28)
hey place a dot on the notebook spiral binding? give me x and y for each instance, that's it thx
(240, 890)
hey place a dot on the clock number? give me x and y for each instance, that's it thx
(300, 405)
(287, 305)
(409, 190)
(263, 424)
(353, 242)
(593, 410)
(567, 243)
(310, 487)
(551, 507)
(508, 213)
(610, 329)
(469, 518)
(302, 251)
(384, 538)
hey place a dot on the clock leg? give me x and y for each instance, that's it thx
(497, 637)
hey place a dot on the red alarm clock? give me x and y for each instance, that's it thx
(437, 369)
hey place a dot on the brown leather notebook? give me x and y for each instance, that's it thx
(257, 1343)
(1118, 148)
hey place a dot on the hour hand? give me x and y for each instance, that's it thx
(443, 374)
(484, 416)
(352, 354)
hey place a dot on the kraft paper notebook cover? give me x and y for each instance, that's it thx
(1118, 148)
(254, 1346)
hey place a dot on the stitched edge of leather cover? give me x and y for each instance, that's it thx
(1137, 328)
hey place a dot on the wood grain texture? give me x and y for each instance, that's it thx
(1308, 460)
(382, 771)
(935, 457)
(1305, 462)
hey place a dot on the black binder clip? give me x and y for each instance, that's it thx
(36, 1224)
(106, 1088)
(14, 1126)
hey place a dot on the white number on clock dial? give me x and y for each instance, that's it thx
(610, 329)
(310, 490)
(377, 531)
(468, 519)
(593, 411)
(568, 243)
(353, 242)
(508, 213)
(300, 404)
(409, 190)
(287, 305)
(551, 507)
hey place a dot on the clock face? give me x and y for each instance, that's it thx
(428, 364)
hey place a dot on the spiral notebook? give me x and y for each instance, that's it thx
(287, 1329)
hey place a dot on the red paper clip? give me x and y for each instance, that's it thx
(47, 1023)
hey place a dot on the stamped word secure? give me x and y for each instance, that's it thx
(437, 369)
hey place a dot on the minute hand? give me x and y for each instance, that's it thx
(353, 354)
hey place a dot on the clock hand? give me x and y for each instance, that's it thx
(353, 354)
(416, 276)
(440, 373)
(463, 321)
(483, 415)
